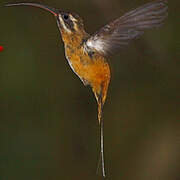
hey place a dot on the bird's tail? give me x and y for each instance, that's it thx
(100, 119)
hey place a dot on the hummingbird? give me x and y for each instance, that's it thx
(87, 54)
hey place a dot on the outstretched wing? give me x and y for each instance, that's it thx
(117, 34)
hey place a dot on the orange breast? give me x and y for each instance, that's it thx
(93, 70)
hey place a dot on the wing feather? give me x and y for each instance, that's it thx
(117, 34)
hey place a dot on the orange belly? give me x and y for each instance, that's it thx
(92, 70)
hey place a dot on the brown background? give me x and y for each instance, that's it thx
(48, 119)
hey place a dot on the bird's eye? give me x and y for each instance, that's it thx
(65, 16)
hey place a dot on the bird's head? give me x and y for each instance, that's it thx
(70, 24)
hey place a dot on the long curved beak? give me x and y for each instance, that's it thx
(51, 10)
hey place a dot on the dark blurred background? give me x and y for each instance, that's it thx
(48, 119)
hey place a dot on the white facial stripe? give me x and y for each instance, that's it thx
(74, 22)
(64, 26)
(72, 18)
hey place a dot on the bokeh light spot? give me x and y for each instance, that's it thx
(1, 48)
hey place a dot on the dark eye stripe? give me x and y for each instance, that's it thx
(69, 24)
